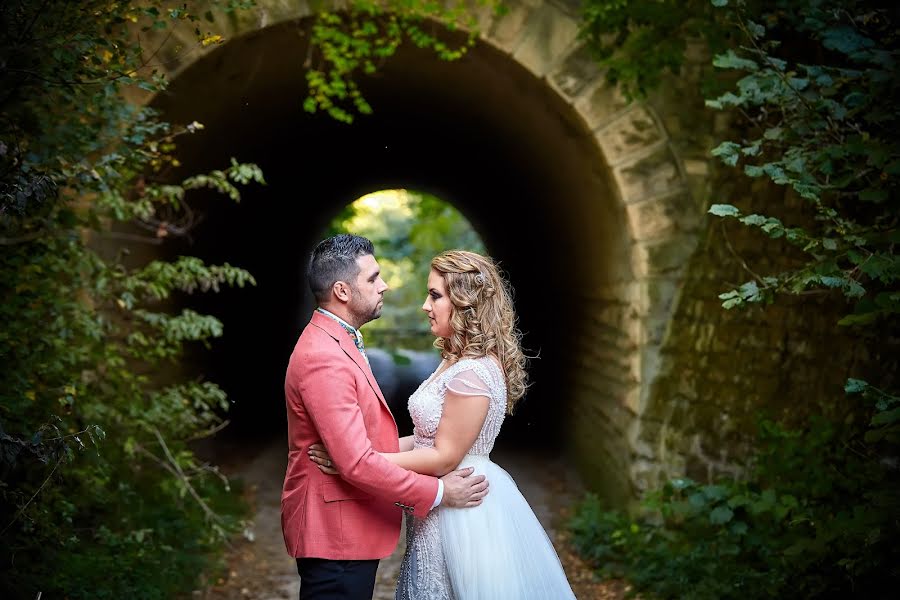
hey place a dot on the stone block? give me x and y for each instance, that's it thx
(696, 167)
(507, 29)
(633, 132)
(609, 479)
(666, 255)
(271, 12)
(548, 35)
(653, 175)
(575, 73)
(657, 292)
(632, 400)
(600, 102)
(482, 15)
(623, 292)
(662, 216)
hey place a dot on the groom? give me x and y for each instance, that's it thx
(339, 527)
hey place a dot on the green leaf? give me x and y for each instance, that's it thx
(845, 39)
(697, 500)
(714, 492)
(730, 60)
(720, 515)
(855, 386)
(796, 164)
(886, 417)
(724, 210)
(738, 528)
(893, 168)
(753, 220)
(739, 500)
(749, 291)
(728, 152)
(681, 483)
(755, 29)
(753, 171)
(853, 289)
(731, 299)
(876, 195)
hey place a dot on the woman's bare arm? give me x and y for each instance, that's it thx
(461, 421)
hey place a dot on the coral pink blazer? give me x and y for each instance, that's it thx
(332, 397)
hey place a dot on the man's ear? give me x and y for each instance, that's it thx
(342, 291)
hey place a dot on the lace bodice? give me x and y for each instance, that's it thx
(423, 574)
(497, 550)
(468, 377)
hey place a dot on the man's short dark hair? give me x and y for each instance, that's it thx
(334, 259)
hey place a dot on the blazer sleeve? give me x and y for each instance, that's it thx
(329, 394)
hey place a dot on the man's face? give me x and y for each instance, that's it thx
(368, 291)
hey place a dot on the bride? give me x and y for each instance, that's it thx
(496, 550)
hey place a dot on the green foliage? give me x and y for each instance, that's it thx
(408, 230)
(813, 80)
(101, 496)
(355, 40)
(815, 513)
(638, 41)
(815, 516)
(820, 124)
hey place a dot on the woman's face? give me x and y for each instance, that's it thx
(438, 306)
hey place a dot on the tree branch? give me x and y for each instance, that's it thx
(22, 510)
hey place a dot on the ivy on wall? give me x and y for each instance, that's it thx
(815, 86)
(353, 41)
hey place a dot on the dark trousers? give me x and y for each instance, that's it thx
(323, 579)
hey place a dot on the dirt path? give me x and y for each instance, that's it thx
(261, 570)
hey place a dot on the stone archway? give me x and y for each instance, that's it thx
(584, 197)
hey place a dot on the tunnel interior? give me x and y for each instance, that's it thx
(481, 133)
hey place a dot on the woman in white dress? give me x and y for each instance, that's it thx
(496, 550)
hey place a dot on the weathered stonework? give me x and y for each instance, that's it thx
(631, 133)
(600, 102)
(575, 73)
(664, 381)
(505, 31)
(654, 174)
(550, 33)
(660, 217)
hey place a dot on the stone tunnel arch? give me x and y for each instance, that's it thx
(575, 190)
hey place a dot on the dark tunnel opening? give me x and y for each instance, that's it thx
(481, 133)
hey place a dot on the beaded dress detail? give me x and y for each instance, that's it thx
(469, 553)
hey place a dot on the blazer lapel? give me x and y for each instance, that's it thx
(335, 330)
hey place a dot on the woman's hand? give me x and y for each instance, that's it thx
(319, 455)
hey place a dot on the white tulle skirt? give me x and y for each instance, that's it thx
(499, 550)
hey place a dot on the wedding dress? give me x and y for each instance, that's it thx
(495, 551)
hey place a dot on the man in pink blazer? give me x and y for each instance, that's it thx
(338, 527)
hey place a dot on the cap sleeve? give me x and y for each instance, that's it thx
(468, 383)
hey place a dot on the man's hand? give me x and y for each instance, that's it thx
(462, 489)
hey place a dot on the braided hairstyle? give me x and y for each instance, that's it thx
(482, 318)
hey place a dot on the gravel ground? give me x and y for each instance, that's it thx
(259, 568)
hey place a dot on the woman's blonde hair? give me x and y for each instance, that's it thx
(482, 319)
